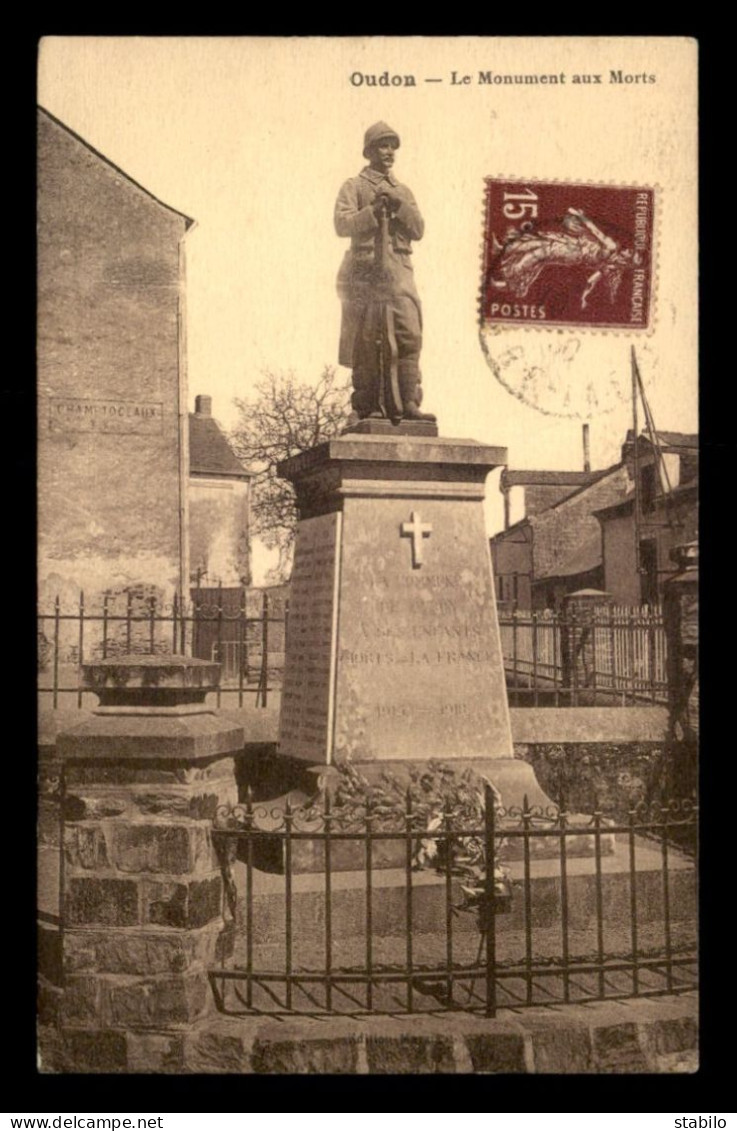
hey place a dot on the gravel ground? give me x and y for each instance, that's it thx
(430, 993)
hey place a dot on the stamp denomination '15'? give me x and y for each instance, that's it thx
(566, 254)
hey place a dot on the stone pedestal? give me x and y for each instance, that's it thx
(393, 649)
(141, 884)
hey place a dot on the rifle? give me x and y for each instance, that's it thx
(382, 321)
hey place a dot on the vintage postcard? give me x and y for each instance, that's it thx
(368, 554)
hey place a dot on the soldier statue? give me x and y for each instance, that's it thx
(381, 330)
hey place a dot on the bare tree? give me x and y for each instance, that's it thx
(284, 417)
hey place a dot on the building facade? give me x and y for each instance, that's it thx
(555, 548)
(640, 533)
(219, 489)
(611, 530)
(112, 428)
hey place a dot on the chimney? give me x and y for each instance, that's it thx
(586, 449)
(203, 406)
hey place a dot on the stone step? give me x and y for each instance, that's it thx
(389, 903)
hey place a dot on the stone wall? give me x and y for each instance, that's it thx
(611, 776)
(143, 892)
(613, 1037)
(139, 885)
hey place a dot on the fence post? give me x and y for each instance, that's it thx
(152, 625)
(328, 823)
(80, 648)
(651, 651)
(579, 641)
(409, 920)
(526, 828)
(535, 693)
(369, 904)
(631, 625)
(175, 614)
(219, 644)
(242, 647)
(183, 625)
(558, 675)
(612, 651)
(514, 655)
(489, 900)
(128, 613)
(264, 677)
(196, 610)
(563, 849)
(55, 667)
(142, 887)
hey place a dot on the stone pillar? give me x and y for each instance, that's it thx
(578, 652)
(141, 889)
(681, 621)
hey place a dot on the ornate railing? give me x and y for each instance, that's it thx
(244, 635)
(614, 657)
(609, 656)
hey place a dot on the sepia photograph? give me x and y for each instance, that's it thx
(368, 555)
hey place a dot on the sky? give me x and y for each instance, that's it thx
(252, 138)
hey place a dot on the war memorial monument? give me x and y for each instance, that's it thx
(185, 911)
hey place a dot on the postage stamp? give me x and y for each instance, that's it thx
(567, 254)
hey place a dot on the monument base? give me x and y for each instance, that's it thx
(393, 649)
(393, 652)
(348, 901)
(303, 788)
(375, 427)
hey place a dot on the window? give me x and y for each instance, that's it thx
(647, 488)
(649, 572)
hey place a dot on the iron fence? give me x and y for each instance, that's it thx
(245, 636)
(332, 913)
(608, 656)
(613, 657)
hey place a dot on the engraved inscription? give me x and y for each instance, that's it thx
(404, 711)
(413, 658)
(419, 653)
(304, 718)
(77, 414)
(420, 629)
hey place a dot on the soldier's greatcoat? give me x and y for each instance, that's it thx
(354, 217)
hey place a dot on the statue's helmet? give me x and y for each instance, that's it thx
(378, 132)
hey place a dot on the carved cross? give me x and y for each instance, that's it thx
(416, 530)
